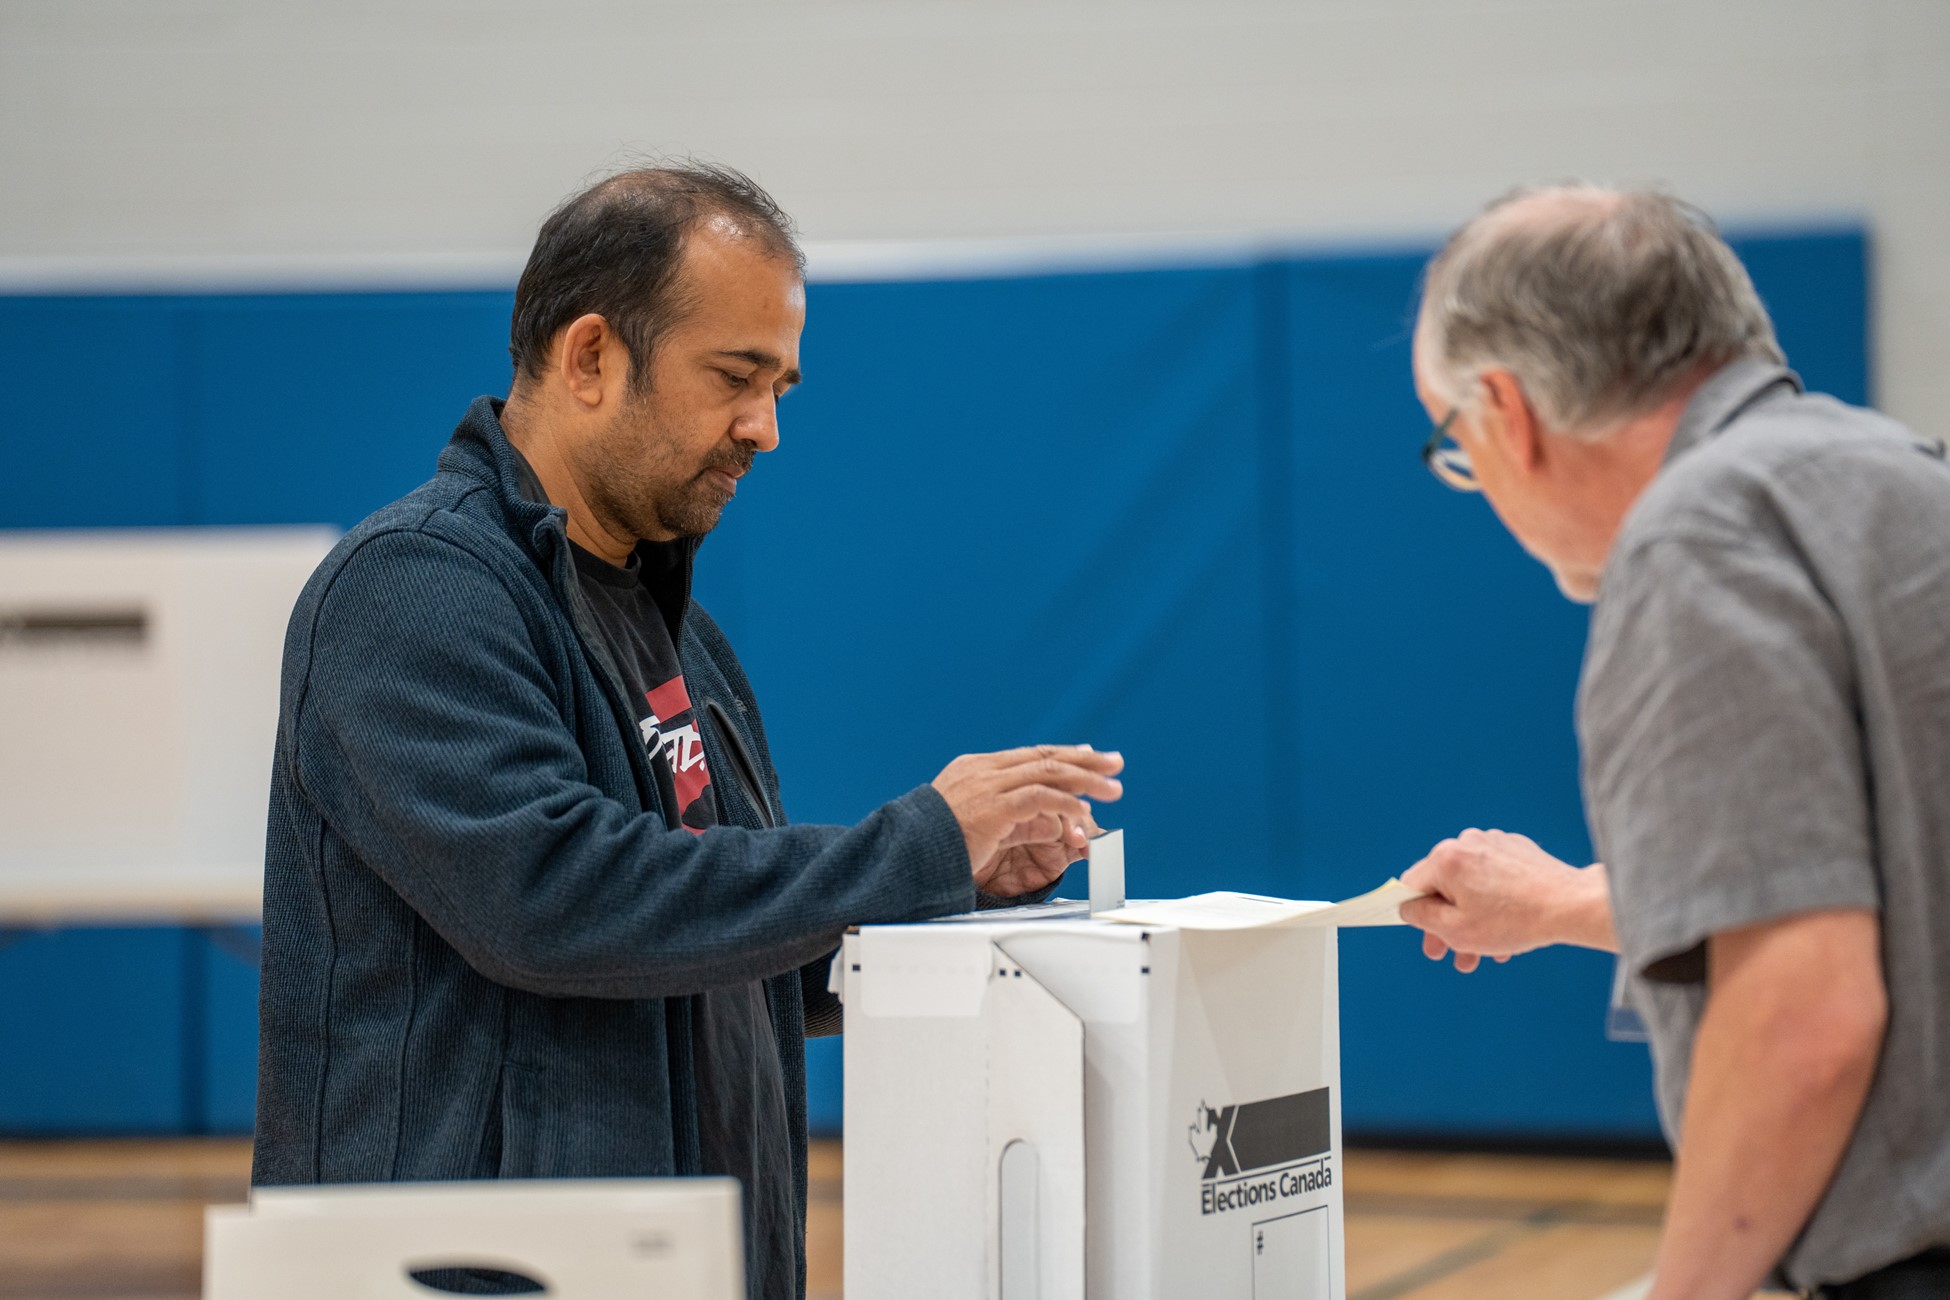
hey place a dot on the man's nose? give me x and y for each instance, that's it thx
(759, 425)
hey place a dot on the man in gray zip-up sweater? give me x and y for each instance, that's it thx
(531, 907)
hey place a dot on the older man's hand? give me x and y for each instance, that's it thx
(1494, 894)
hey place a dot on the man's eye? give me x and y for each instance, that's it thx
(736, 381)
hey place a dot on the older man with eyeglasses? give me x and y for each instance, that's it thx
(1764, 718)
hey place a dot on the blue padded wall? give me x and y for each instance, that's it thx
(92, 1032)
(320, 408)
(1176, 512)
(933, 567)
(1436, 664)
(222, 1057)
(97, 433)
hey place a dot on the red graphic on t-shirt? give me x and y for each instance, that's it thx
(672, 726)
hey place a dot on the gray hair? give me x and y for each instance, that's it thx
(1601, 302)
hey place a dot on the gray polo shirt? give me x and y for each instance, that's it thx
(1765, 723)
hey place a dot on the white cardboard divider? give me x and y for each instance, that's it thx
(139, 673)
(1035, 1105)
(584, 1240)
(1207, 1081)
(990, 1138)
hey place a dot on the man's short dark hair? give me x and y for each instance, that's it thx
(616, 249)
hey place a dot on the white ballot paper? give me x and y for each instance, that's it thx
(1229, 911)
(1107, 872)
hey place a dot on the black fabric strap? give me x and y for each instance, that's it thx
(1921, 1277)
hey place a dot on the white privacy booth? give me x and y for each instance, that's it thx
(139, 689)
(569, 1240)
(1144, 1104)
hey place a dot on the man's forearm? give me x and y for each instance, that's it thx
(1781, 1066)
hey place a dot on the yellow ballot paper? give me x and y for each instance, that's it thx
(1229, 911)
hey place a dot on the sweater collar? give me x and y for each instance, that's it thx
(480, 450)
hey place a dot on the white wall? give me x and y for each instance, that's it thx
(425, 138)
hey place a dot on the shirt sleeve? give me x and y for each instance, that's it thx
(1723, 755)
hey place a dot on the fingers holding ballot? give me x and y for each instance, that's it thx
(1025, 813)
(1495, 894)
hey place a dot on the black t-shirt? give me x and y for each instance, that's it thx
(639, 635)
(742, 1130)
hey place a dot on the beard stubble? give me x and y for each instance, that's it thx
(641, 476)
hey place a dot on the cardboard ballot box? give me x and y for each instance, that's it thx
(1046, 1105)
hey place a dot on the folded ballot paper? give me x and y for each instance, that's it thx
(1229, 911)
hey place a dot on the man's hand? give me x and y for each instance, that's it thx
(1022, 811)
(1026, 868)
(1493, 894)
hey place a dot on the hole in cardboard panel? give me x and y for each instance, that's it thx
(458, 1277)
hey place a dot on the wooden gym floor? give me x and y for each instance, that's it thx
(124, 1219)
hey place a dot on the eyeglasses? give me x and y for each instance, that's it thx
(1448, 462)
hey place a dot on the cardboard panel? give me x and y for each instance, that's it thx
(1209, 1068)
(578, 1240)
(917, 1150)
(1036, 1144)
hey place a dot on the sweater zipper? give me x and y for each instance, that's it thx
(742, 767)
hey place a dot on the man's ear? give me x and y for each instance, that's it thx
(579, 358)
(1508, 417)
